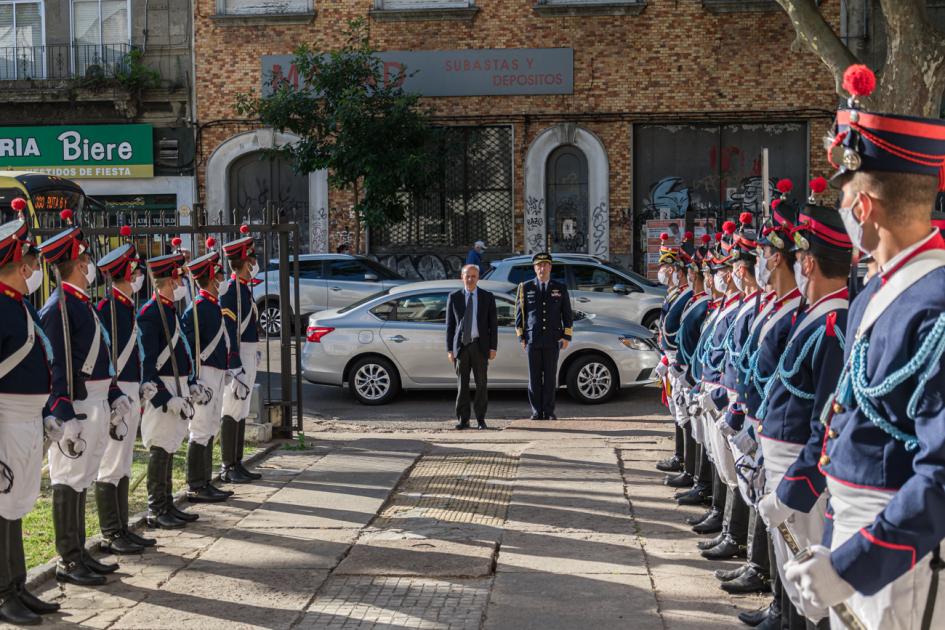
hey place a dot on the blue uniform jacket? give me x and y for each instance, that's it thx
(230, 313)
(32, 374)
(870, 452)
(82, 323)
(689, 330)
(715, 346)
(152, 342)
(125, 320)
(543, 320)
(696, 368)
(806, 378)
(211, 319)
(739, 337)
(673, 320)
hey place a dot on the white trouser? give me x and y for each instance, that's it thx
(680, 401)
(119, 454)
(808, 529)
(207, 418)
(717, 444)
(80, 473)
(164, 429)
(901, 603)
(698, 427)
(239, 409)
(21, 448)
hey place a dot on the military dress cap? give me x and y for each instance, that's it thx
(167, 266)
(14, 241)
(864, 141)
(206, 265)
(819, 229)
(242, 248)
(122, 261)
(541, 257)
(746, 239)
(776, 231)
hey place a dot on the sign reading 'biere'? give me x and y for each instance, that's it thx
(82, 151)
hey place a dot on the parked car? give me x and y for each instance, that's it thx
(594, 287)
(396, 340)
(325, 281)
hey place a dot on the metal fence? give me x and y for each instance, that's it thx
(63, 61)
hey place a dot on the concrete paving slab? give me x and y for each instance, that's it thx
(540, 601)
(570, 553)
(282, 548)
(417, 557)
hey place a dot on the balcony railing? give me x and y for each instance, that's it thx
(63, 61)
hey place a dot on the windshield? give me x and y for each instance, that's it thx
(641, 279)
(355, 305)
(383, 273)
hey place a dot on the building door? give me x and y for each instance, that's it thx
(567, 200)
(259, 184)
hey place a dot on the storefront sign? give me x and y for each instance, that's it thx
(473, 72)
(81, 151)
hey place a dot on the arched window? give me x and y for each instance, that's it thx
(567, 199)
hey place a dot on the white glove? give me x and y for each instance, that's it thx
(53, 428)
(772, 511)
(200, 393)
(743, 442)
(661, 369)
(678, 373)
(148, 391)
(180, 406)
(724, 428)
(121, 409)
(71, 430)
(817, 580)
(239, 387)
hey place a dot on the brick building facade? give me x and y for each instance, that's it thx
(670, 104)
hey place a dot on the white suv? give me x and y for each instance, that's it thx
(594, 286)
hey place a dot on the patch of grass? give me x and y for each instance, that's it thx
(38, 532)
(299, 444)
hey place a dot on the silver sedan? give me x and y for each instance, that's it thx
(396, 339)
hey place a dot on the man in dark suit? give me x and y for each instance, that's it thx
(472, 337)
(543, 322)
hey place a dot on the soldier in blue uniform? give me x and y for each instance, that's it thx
(166, 380)
(543, 323)
(121, 268)
(241, 317)
(80, 398)
(205, 318)
(25, 384)
(884, 452)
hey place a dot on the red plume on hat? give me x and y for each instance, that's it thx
(664, 237)
(125, 231)
(687, 236)
(745, 218)
(211, 242)
(817, 186)
(729, 227)
(718, 237)
(19, 205)
(244, 229)
(859, 81)
(785, 186)
(706, 239)
(66, 216)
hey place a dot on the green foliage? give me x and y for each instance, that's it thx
(371, 135)
(299, 444)
(134, 75)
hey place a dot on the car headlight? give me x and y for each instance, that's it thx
(634, 343)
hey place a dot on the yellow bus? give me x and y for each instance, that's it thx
(46, 196)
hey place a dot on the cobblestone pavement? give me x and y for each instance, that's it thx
(540, 525)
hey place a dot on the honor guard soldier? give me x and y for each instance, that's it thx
(81, 389)
(884, 452)
(790, 431)
(240, 316)
(543, 323)
(25, 384)
(124, 277)
(166, 369)
(206, 334)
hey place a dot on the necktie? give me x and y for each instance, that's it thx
(467, 321)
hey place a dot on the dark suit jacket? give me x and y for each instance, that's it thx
(485, 320)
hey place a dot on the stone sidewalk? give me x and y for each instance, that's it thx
(549, 526)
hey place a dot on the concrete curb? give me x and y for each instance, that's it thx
(39, 574)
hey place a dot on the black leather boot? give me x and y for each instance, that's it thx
(198, 484)
(109, 518)
(698, 518)
(172, 509)
(724, 575)
(711, 542)
(208, 455)
(12, 609)
(157, 500)
(229, 472)
(697, 495)
(240, 443)
(689, 448)
(752, 580)
(102, 568)
(726, 549)
(18, 571)
(670, 464)
(70, 567)
(711, 525)
(758, 543)
(679, 480)
(755, 617)
(137, 539)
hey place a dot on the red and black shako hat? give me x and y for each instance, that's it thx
(745, 240)
(819, 229)
(121, 262)
(14, 236)
(208, 264)
(167, 266)
(864, 141)
(242, 248)
(776, 231)
(67, 245)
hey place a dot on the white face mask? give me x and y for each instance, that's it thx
(90, 274)
(720, 283)
(853, 228)
(663, 277)
(800, 278)
(179, 293)
(224, 285)
(739, 283)
(136, 284)
(34, 281)
(254, 270)
(762, 273)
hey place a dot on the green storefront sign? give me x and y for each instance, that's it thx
(81, 151)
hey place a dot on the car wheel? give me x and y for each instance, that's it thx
(373, 381)
(270, 318)
(652, 322)
(592, 379)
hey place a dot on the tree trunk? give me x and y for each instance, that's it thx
(912, 80)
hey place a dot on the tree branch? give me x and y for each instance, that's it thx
(814, 31)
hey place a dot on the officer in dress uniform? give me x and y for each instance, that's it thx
(677, 297)
(884, 453)
(168, 388)
(82, 398)
(124, 278)
(240, 316)
(25, 383)
(543, 323)
(205, 318)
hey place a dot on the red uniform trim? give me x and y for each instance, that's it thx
(879, 122)
(806, 480)
(824, 231)
(888, 545)
(56, 402)
(75, 292)
(207, 296)
(936, 242)
(10, 292)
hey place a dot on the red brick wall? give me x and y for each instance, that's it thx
(675, 61)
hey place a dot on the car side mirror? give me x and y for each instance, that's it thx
(370, 277)
(622, 289)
